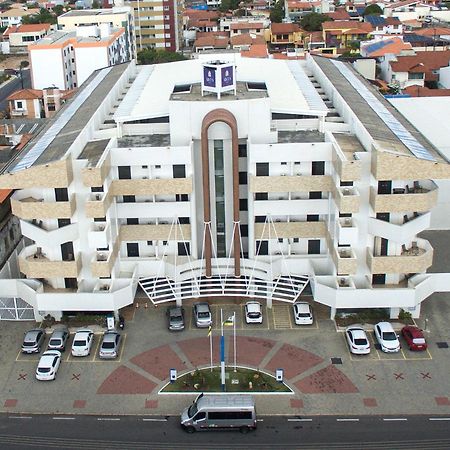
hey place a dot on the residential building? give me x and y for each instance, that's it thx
(340, 34)
(73, 56)
(158, 23)
(251, 28)
(283, 35)
(14, 16)
(19, 36)
(295, 9)
(384, 25)
(116, 17)
(226, 176)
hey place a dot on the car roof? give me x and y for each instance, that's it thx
(175, 310)
(32, 334)
(202, 306)
(83, 331)
(357, 332)
(415, 332)
(385, 326)
(253, 306)
(110, 336)
(58, 333)
(302, 306)
(47, 359)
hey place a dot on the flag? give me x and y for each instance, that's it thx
(209, 331)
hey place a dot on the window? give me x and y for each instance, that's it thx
(184, 220)
(415, 76)
(262, 247)
(179, 171)
(181, 197)
(63, 222)
(312, 218)
(315, 194)
(243, 206)
(132, 249)
(61, 195)
(184, 249)
(314, 247)
(200, 416)
(262, 169)
(242, 177)
(242, 150)
(260, 219)
(229, 415)
(318, 168)
(19, 105)
(149, 242)
(261, 196)
(124, 172)
(132, 221)
(296, 240)
(129, 198)
(244, 230)
(280, 240)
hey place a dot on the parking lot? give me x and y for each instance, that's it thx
(315, 358)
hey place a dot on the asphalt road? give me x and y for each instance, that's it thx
(13, 86)
(135, 432)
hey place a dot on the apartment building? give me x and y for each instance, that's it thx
(226, 177)
(116, 17)
(159, 23)
(73, 56)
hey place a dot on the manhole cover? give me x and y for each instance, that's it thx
(336, 360)
(442, 344)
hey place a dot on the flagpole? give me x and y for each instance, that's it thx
(222, 352)
(234, 338)
(210, 347)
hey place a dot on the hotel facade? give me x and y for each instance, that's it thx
(231, 177)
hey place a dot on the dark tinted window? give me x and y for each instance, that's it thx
(318, 168)
(262, 169)
(242, 177)
(124, 172)
(179, 171)
(230, 415)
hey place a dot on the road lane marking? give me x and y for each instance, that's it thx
(63, 418)
(439, 418)
(395, 419)
(347, 420)
(108, 418)
(299, 420)
(19, 417)
(154, 420)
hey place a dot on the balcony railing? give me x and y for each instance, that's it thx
(30, 208)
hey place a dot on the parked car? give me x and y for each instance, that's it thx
(386, 337)
(357, 340)
(33, 340)
(175, 316)
(48, 365)
(58, 339)
(82, 342)
(414, 338)
(253, 312)
(109, 348)
(302, 313)
(202, 315)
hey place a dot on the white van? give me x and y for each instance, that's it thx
(220, 412)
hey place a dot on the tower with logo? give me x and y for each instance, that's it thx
(218, 77)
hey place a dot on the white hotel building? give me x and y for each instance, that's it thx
(300, 173)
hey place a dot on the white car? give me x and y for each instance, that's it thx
(253, 312)
(386, 337)
(82, 342)
(302, 313)
(357, 340)
(48, 365)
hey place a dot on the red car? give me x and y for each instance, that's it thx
(414, 338)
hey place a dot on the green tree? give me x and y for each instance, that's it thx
(313, 21)
(229, 5)
(58, 10)
(44, 16)
(152, 56)
(373, 10)
(96, 4)
(277, 12)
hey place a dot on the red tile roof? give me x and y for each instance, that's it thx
(25, 94)
(283, 28)
(420, 91)
(212, 41)
(338, 14)
(199, 14)
(246, 39)
(421, 62)
(434, 31)
(392, 46)
(27, 28)
(347, 25)
(247, 25)
(256, 51)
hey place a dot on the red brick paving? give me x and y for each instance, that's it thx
(10, 403)
(370, 402)
(250, 351)
(198, 352)
(151, 404)
(158, 361)
(327, 381)
(126, 381)
(442, 401)
(293, 360)
(79, 404)
(296, 403)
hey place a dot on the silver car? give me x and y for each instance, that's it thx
(175, 316)
(58, 339)
(33, 340)
(109, 348)
(202, 315)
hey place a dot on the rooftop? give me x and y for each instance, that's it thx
(144, 140)
(61, 37)
(93, 150)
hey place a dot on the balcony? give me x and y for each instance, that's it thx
(97, 205)
(95, 176)
(99, 235)
(30, 207)
(345, 260)
(146, 187)
(290, 230)
(347, 199)
(347, 231)
(419, 198)
(35, 264)
(165, 232)
(103, 263)
(416, 258)
(287, 183)
(346, 161)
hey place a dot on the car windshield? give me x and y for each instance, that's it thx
(254, 314)
(54, 342)
(79, 343)
(419, 341)
(303, 314)
(203, 315)
(176, 318)
(192, 411)
(108, 345)
(389, 336)
(29, 344)
(360, 341)
(44, 369)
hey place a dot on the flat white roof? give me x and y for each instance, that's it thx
(285, 93)
(431, 116)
